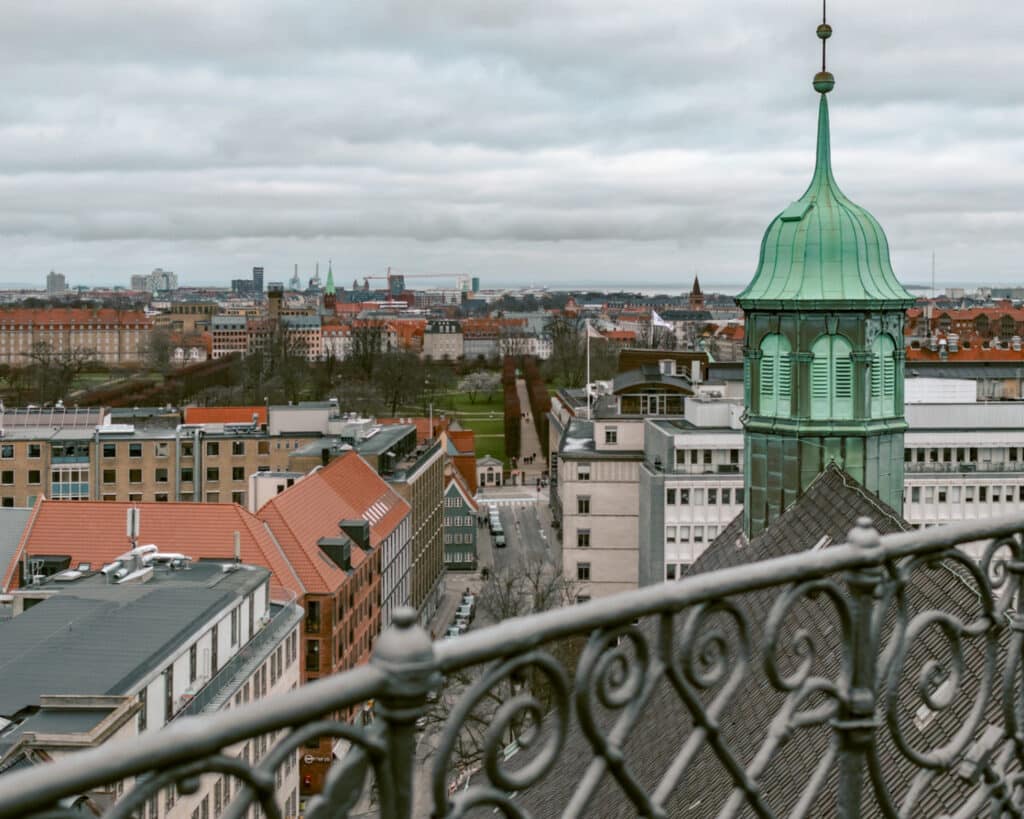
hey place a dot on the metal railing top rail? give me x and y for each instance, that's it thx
(405, 666)
(23, 791)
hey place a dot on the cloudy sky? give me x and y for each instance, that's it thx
(524, 141)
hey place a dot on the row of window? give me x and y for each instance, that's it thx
(460, 520)
(960, 454)
(703, 456)
(163, 497)
(952, 494)
(161, 449)
(675, 571)
(58, 475)
(460, 538)
(683, 534)
(711, 496)
(187, 475)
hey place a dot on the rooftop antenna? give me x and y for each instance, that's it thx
(134, 516)
(933, 274)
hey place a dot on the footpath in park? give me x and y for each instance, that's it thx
(529, 443)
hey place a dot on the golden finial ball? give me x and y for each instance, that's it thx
(824, 31)
(824, 82)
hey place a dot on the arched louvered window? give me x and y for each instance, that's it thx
(775, 381)
(883, 377)
(831, 378)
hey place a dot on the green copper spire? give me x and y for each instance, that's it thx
(329, 290)
(823, 346)
(824, 250)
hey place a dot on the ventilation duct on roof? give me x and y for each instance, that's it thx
(358, 530)
(338, 551)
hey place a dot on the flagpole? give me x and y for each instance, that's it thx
(587, 385)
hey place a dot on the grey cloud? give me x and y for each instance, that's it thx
(584, 136)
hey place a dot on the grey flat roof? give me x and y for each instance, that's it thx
(100, 638)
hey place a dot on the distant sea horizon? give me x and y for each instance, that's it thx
(645, 288)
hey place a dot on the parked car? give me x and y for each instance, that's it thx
(469, 598)
(464, 611)
(453, 631)
(499, 540)
(462, 624)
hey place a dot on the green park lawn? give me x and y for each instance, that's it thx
(485, 417)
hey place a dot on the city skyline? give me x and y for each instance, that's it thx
(560, 143)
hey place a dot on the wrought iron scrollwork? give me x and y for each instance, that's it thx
(538, 733)
(914, 630)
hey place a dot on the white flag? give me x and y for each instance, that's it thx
(591, 332)
(658, 321)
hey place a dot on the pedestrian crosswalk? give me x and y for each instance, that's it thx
(504, 500)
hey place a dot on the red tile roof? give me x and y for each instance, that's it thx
(94, 532)
(463, 439)
(347, 488)
(67, 315)
(225, 415)
(972, 354)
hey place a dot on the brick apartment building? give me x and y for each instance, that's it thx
(72, 455)
(117, 337)
(323, 539)
(416, 471)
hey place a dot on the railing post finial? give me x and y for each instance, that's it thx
(405, 653)
(856, 722)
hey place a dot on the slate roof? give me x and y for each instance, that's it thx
(828, 509)
(650, 374)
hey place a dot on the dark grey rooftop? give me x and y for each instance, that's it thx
(649, 374)
(821, 517)
(98, 638)
(12, 525)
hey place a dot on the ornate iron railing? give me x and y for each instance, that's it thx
(878, 677)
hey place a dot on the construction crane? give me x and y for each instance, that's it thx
(461, 280)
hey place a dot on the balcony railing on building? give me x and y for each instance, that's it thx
(241, 666)
(872, 706)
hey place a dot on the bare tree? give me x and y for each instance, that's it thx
(568, 360)
(54, 370)
(367, 347)
(534, 585)
(159, 350)
(400, 377)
